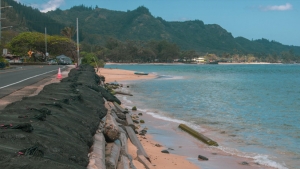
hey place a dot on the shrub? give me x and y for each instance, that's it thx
(3, 63)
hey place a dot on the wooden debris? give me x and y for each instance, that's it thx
(129, 121)
(135, 141)
(97, 153)
(123, 93)
(120, 108)
(145, 162)
(120, 114)
(112, 153)
(111, 129)
(124, 162)
(199, 136)
(123, 122)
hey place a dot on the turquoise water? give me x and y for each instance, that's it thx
(253, 109)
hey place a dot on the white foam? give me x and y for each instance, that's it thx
(261, 159)
(264, 160)
(165, 118)
(155, 115)
(168, 77)
(124, 98)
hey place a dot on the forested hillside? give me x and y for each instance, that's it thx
(98, 24)
(27, 18)
(138, 34)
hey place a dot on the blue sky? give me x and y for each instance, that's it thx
(277, 20)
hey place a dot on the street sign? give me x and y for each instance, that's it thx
(30, 53)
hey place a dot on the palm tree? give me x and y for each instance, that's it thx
(68, 32)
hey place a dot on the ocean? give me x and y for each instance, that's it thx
(253, 110)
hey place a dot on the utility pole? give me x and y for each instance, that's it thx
(0, 21)
(77, 31)
(46, 53)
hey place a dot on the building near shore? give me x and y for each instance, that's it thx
(199, 60)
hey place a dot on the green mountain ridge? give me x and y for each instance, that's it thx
(139, 24)
(96, 25)
(24, 18)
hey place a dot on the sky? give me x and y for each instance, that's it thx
(277, 20)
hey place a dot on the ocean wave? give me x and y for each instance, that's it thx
(170, 119)
(161, 116)
(264, 160)
(261, 159)
(169, 77)
(124, 98)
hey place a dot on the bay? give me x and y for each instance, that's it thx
(254, 109)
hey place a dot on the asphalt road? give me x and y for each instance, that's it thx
(21, 76)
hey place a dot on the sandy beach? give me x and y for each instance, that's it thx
(165, 135)
(153, 148)
(112, 75)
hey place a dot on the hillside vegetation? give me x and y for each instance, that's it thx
(139, 36)
(98, 24)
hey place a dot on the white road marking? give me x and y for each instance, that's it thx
(26, 79)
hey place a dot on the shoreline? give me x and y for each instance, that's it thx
(152, 147)
(220, 63)
(167, 134)
(112, 75)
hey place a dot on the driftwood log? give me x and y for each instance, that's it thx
(111, 129)
(199, 136)
(123, 122)
(135, 141)
(125, 161)
(120, 108)
(129, 121)
(118, 113)
(145, 162)
(97, 152)
(112, 106)
(123, 93)
(112, 153)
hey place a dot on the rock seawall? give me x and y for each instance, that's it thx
(55, 128)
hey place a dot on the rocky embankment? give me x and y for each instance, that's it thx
(72, 124)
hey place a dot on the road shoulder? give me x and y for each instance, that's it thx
(32, 90)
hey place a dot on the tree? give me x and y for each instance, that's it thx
(68, 32)
(146, 55)
(270, 59)
(35, 42)
(91, 59)
(251, 58)
(112, 43)
(211, 57)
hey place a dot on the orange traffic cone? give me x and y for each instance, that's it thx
(59, 74)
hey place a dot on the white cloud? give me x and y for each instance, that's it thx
(51, 5)
(48, 6)
(285, 7)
